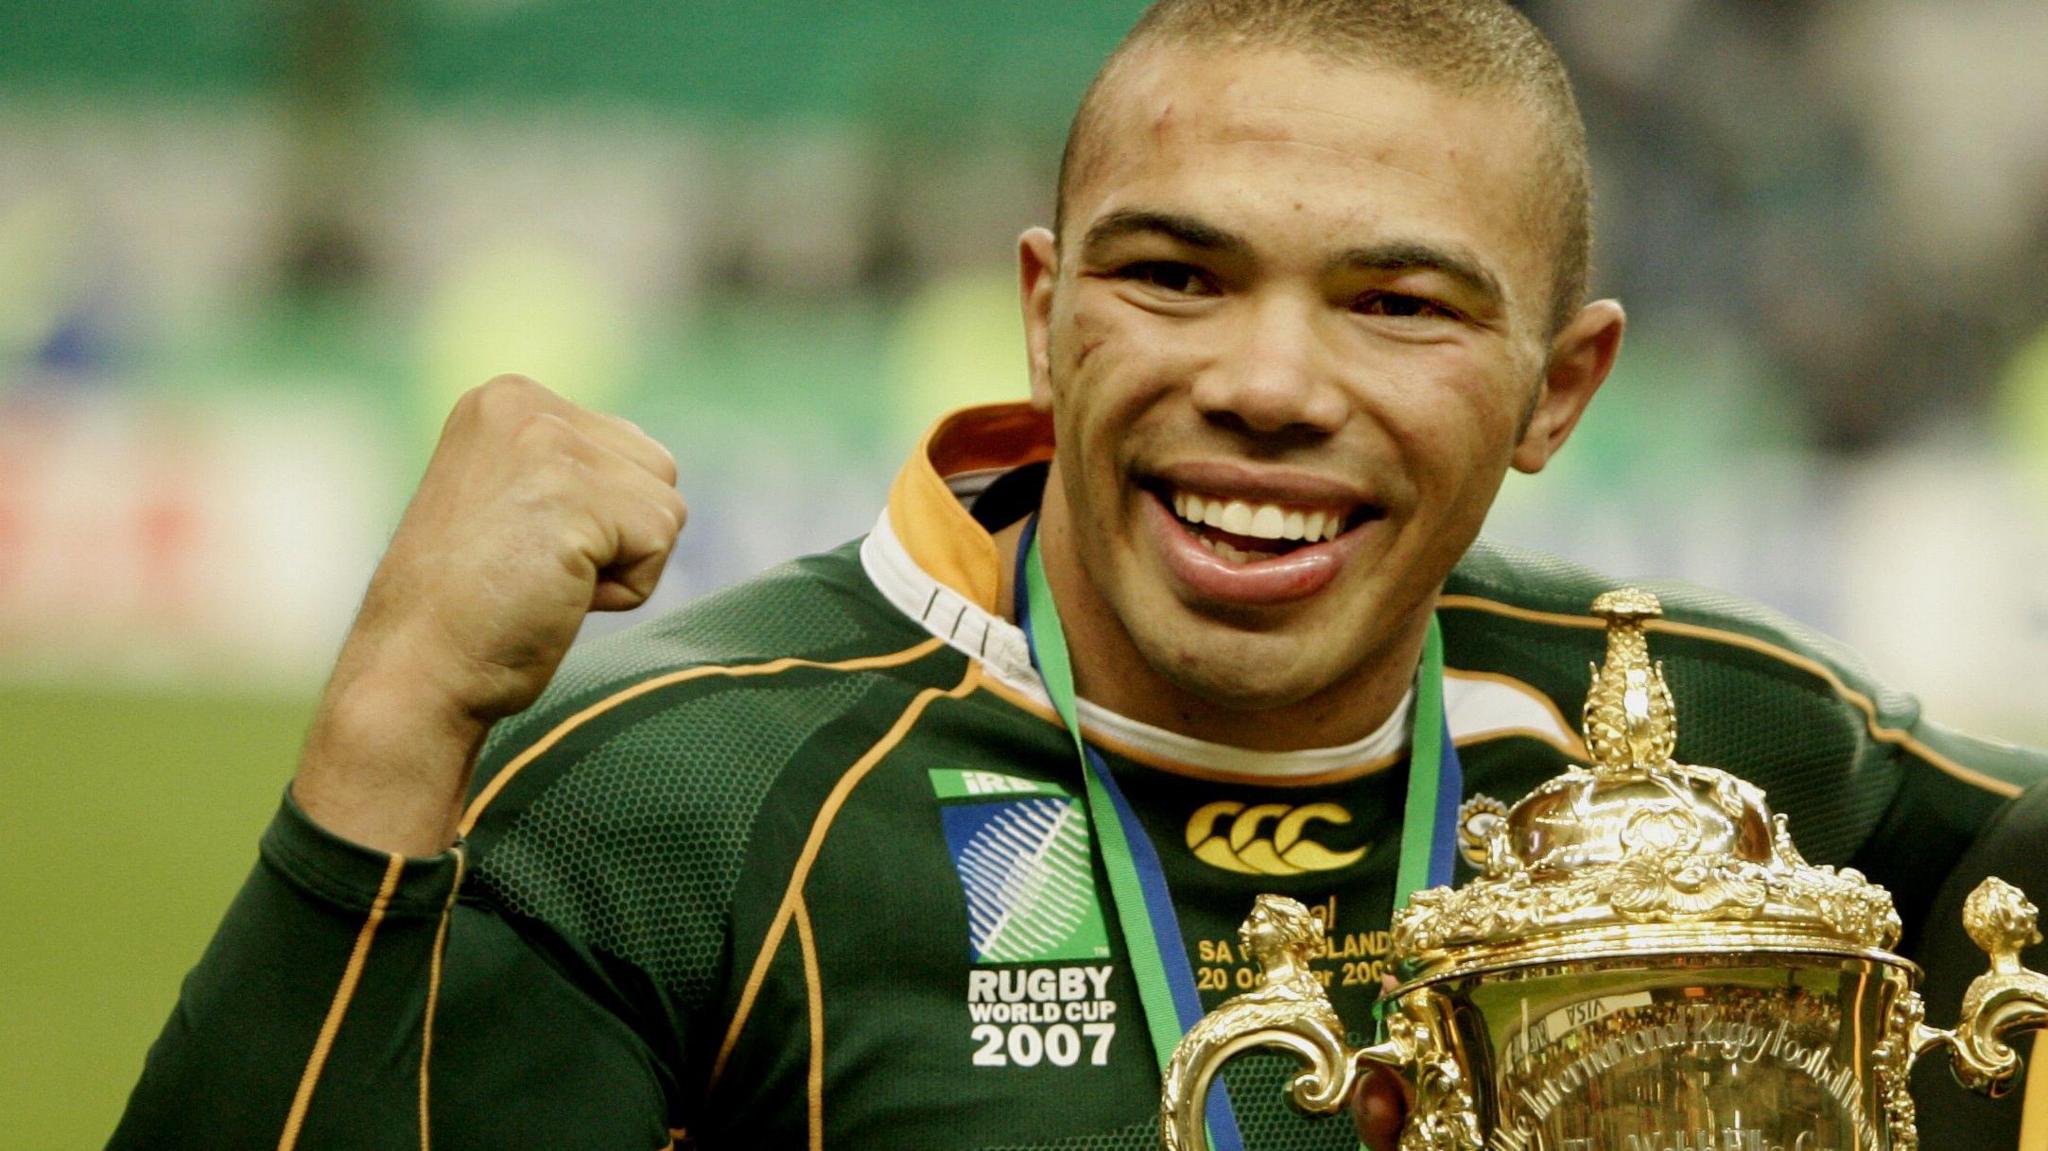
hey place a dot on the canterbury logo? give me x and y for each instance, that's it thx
(1284, 852)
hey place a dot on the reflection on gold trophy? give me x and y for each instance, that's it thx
(1645, 963)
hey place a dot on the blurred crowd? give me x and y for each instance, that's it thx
(1858, 186)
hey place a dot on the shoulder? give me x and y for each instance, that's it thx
(1510, 605)
(620, 812)
(1757, 692)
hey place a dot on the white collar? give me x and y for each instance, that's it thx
(1006, 659)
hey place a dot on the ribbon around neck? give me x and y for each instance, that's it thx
(1144, 905)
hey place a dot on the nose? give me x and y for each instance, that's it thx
(1274, 377)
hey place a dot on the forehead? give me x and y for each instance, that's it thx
(1251, 138)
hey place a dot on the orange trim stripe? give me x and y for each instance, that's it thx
(821, 824)
(814, 997)
(540, 747)
(1862, 702)
(331, 1026)
(940, 535)
(434, 990)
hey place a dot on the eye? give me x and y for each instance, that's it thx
(1169, 276)
(1401, 306)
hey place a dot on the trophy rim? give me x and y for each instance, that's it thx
(1734, 951)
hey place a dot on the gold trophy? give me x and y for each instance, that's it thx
(1645, 963)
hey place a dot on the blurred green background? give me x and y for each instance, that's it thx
(250, 251)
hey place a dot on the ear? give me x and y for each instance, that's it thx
(1037, 270)
(1580, 357)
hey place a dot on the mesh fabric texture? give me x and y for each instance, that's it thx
(637, 849)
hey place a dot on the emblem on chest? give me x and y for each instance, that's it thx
(1267, 838)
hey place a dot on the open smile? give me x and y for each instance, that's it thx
(1243, 531)
(1240, 549)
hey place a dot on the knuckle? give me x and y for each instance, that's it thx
(506, 396)
(670, 501)
(656, 525)
(505, 382)
(663, 461)
(667, 458)
(544, 432)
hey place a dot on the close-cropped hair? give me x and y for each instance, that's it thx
(1472, 47)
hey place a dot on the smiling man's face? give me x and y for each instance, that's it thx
(1294, 336)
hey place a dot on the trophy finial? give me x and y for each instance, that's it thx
(1629, 720)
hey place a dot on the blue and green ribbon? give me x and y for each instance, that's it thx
(1144, 906)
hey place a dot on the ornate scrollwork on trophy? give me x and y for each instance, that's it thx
(1644, 960)
(1478, 818)
(1637, 838)
(1629, 719)
(1892, 1063)
(1290, 1010)
(1445, 1116)
(1287, 1009)
(1665, 876)
(2001, 921)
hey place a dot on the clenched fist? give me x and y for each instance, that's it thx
(533, 512)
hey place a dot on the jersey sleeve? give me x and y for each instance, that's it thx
(349, 995)
(1952, 791)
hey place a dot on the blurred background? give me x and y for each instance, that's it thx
(250, 250)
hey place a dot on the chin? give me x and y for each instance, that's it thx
(1241, 674)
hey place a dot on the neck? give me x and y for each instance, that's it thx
(1111, 672)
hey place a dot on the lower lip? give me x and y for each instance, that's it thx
(1283, 579)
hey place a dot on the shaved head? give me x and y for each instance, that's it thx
(1471, 47)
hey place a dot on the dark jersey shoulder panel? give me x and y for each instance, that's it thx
(673, 766)
(1863, 778)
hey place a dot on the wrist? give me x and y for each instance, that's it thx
(387, 761)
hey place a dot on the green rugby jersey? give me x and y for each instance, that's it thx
(804, 865)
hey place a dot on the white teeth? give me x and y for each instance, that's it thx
(1234, 555)
(1259, 521)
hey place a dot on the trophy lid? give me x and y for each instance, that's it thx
(1636, 853)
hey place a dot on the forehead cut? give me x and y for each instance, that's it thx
(1481, 48)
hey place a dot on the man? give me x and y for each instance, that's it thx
(813, 862)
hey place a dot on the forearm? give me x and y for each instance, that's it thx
(320, 970)
(347, 1020)
(384, 766)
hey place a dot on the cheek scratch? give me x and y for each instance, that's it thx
(1088, 336)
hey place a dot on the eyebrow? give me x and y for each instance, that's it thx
(1394, 256)
(1186, 229)
(1407, 256)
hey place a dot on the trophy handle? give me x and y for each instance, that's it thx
(1307, 1029)
(2004, 1002)
(2000, 1004)
(1290, 1011)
